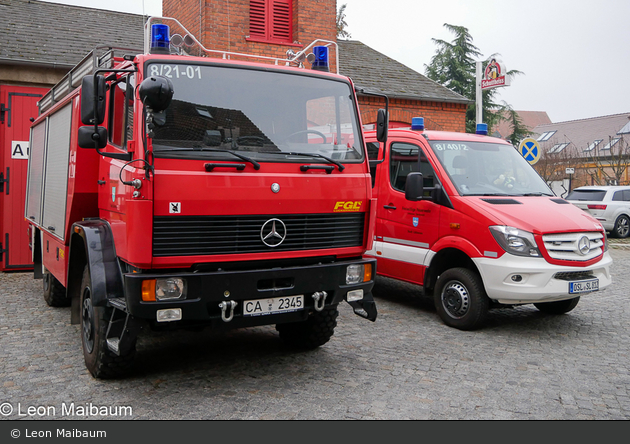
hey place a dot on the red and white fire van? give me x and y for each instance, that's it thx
(466, 217)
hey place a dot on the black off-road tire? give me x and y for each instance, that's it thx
(54, 292)
(460, 299)
(99, 359)
(558, 307)
(622, 227)
(312, 333)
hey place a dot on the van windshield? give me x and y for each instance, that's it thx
(487, 169)
(262, 114)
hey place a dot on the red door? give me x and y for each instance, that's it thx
(406, 230)
(17, 106)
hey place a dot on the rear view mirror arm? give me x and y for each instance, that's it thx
(121, 156)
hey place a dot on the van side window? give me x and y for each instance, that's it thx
(120, 113)
(404, 160)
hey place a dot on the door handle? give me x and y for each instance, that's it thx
(389, 207)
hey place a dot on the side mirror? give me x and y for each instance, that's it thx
(381, 125)
(414, 189)
(89, 138)
(93, 100)
(212, 138)
(156, 92)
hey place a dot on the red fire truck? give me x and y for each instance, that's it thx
(468, 219)
(185, 187)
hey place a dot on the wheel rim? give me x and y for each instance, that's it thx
(88, 321)
(623, 227)
(455, 299)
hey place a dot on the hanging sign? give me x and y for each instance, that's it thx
(494, 75)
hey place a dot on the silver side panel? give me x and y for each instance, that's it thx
(56, 172)
(37, 157)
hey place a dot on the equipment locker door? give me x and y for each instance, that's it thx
(17, 106)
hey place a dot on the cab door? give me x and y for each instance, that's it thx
(405, 230)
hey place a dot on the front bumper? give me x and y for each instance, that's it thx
(208, 292)
(540, 280)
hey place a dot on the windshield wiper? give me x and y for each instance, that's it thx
(214, 150)
(539, 193)
(338, 164)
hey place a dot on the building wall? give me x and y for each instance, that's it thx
(224, 25)
(437, 115)
(30, 75)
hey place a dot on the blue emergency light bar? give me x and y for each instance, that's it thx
(321, 58)
(160, 39)
(482, 128)
(417, 123)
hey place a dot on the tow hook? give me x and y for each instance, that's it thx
(320, 299)
(227, 306)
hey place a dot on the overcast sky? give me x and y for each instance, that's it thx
(575, 54)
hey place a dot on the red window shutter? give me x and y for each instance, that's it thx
(257, 18)
(271, 20)
(281, 20)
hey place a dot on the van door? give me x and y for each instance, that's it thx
(405, 230)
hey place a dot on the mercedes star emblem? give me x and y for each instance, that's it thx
(275, 187)
(584, 245)
(273, 232)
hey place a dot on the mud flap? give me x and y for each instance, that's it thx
(366, 307)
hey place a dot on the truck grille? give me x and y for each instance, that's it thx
(566, 246)
(203, 235)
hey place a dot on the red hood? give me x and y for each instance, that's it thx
(536, 214)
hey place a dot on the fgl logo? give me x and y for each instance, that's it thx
(415, 221)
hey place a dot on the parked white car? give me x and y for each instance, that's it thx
(608, 204)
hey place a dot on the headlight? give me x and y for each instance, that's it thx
(164, 289)
(354, 274)
(515, 241)
(170, 288)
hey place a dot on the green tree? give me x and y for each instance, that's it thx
(454, 66)
(519, 130)
(341, 23)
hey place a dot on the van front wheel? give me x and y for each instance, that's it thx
(460, 299)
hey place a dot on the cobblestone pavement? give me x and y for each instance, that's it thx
(524, 365)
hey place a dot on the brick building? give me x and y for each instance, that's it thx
(272, 27)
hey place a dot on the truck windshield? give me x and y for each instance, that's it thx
(487, 169)
(264, 115)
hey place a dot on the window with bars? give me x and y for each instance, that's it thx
(612, 143)
(545, 136)
(592, 146)
(271, 20)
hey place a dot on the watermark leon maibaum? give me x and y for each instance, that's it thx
(64, 410)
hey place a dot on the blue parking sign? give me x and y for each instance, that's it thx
(530, 150)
